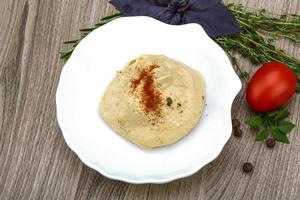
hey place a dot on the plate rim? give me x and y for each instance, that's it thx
(161, 180)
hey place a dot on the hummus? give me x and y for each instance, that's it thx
(154, 101)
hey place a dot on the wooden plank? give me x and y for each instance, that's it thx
(37, 164)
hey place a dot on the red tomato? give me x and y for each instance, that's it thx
(271, 87)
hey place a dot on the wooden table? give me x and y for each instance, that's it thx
(36, 163)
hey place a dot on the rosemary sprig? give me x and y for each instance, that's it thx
(65, 55)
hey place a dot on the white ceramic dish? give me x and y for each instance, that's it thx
(93, 65)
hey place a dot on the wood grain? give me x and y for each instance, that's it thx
(35, 162)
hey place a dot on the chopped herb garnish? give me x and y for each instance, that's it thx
(169, 101)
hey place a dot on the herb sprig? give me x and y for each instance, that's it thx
(65, 55)
(276, 25)
(272, 123)
(258, 33)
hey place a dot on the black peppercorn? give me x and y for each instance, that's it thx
(169, 101)
(270, 143)
(247, 167)
(235, 123)
(237, 132)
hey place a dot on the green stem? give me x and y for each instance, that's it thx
(111, 16)
(263, 46)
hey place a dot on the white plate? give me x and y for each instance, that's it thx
(93, 65)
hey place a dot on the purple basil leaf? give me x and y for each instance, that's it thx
(210, 14)
(163, 3)
(198, 5)
(216, 20)
(169, 18)
(138, 7)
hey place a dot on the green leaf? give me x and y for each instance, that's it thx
(87, 29)
(111, 16)
(100, 24)
(282, 114)
(245, 75)
(262, 135)
(280, 137)
(271, 122)
(285, 126)
(65, 55)
(255, 122)
(273, 113)
(71, 41)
